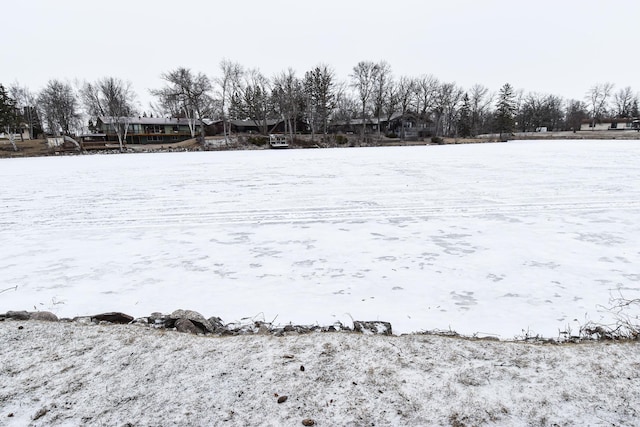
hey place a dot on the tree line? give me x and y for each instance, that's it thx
(313, 101)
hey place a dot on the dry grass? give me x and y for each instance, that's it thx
(28, 148)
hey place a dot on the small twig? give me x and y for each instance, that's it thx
(505, 365)
(352, 321)
(257, 315)
(274, 319)
(396, 347)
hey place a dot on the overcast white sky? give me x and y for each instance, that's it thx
(549, 46)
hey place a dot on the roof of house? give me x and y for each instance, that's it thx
(209, 122)
(610, 120)
(369, 121)
(251, 123)
(149, 121)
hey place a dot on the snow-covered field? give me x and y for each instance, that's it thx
(496, 239)
(67, 374)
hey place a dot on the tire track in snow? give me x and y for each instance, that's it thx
(96, 217)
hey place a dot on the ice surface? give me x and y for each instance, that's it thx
(490, 238)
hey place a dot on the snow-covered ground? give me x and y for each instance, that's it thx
(496, 239)
(68, 374)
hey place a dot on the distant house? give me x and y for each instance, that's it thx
(148, 130)
(398, 124)
(20, 133)
(610, 124)
(353, 125)
(256, 126)
(216, 127)
(213, 127)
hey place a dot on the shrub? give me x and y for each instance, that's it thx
(624, 326)
(258, 140)
(437, 140)
(341, 139)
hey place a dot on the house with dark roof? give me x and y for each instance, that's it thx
(257, 126)
(408, 126)
(148, 130)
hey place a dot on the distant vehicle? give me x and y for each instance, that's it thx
(278, 141)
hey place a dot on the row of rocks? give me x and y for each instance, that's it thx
(190, 321)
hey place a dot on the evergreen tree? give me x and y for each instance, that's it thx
(634, 109)
(319, 86)
(92, 127)
(464, 119)
(8, 116)
(6, 106)
(505, 110)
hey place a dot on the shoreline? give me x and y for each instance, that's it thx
(39, 148)
(192, 322)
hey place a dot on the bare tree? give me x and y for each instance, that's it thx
(289, 98)
(530, 113)
(191, 93)
(446, 100)
(426, 87)
(169, 107)
(391, 102)
(540, 111)
(597, 98)
(346, 107)
(112, 99)
(58, 105)
(406, 94)
(623, 102)
(255, 99)
(229, 83)
(553, 114)
(381, 89)
(26, 104)
(363, 81)
(480, 101)
(576, 112)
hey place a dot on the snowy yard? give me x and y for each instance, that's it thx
(487, 239)
(67, 374)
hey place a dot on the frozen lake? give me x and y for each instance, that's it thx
(490, 239)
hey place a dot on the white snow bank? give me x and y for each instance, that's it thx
(67, 374)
